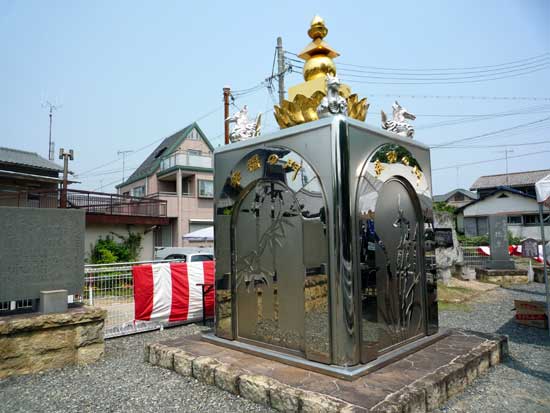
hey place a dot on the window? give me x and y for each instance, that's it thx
(194, 152)
(185, 186)
(459, 197)
(197, 258)
(206, 189)
(138, 191)
(515, 220)
(531, 219)
(194, 136)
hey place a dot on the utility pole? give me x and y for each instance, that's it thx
(281, 69)
(226, 94)
(506, 152)
(66, 156)
(51, 107)
(123, 153)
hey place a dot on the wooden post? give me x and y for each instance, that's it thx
(226, 94)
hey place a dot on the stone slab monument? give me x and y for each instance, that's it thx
(320, 229)
(498, 241)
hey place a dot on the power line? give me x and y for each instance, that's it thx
(148, 145)
(519, 61)
(493, 146)
(426, 76)
(487, 160)
(447, 81)
(492, 133)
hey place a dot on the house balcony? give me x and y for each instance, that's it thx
(100, 207)
(186, 160)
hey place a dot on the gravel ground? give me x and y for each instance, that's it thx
(121, 382)
(522, 382)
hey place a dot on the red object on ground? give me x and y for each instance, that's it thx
(170, 291)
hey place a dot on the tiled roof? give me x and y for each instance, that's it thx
(166, 147)
(512, 179)
(444, 197)
(32, 159)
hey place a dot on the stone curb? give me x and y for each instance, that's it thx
(423, 395)
(30, 322)
(434, 389)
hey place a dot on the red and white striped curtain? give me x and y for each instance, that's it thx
(172, 291)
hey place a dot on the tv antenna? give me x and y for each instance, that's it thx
(51, 108)
(123, 153)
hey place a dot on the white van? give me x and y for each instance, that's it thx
(185, 254)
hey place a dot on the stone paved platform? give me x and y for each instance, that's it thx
(418, 383)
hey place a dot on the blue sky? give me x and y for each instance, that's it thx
(128, 73)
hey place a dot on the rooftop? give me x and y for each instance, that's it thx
(32, 159)
(511, 179)
(444, 197)
(166, 147)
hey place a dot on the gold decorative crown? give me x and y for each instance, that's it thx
(304, 98)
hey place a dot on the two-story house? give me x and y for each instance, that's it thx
(180, 171)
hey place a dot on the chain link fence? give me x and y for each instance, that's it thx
(111, 287)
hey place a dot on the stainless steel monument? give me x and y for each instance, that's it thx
(322, 243)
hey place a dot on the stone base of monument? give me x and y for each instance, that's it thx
(420, 382)
(512, 276)
(34, 342)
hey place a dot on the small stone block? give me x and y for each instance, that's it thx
(53, 301)
(284, 398)
(166, 358)
(435, 388)
(227, 378)
(154, 353)
(183, 363)
(410, 398)
(255, 388)
(315, 402)
(90, 354)
(204, 369)
(456, 379)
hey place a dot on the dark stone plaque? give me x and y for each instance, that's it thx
(498, 241)
(529, 248)
(443, 238)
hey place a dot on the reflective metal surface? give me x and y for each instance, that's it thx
(279, 252)
(391, 241)
(323, 244)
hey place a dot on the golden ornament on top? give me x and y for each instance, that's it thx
(305, 98)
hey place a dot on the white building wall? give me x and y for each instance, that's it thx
(95, 231)
(513, 205)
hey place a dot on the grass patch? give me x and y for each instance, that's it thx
(453, 298)
(444, 306)
(450, 294)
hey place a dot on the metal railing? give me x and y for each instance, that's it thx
(473, 258)
(92, 202)
(111, 287)
(186, 159)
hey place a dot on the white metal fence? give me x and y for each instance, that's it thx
(473, 258)
(111, 287)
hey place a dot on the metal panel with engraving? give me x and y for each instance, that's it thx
(322, 245)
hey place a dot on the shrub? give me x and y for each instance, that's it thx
(107, 250)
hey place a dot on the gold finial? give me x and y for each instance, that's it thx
(318, 30)
(318, 54)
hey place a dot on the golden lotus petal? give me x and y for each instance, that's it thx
(310, 114)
